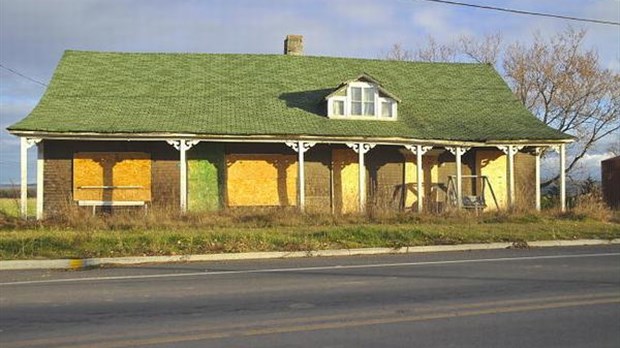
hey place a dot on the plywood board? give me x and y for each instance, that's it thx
(346, 180)
(261, 180)
(493, 164)
(112, 176)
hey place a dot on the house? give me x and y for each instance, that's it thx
(210, 131)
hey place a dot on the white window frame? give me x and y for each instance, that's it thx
(392, 103)
(330, 106)
(347, 104)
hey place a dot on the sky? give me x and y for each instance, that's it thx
(34, 34)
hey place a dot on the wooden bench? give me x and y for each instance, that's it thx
(95, 204)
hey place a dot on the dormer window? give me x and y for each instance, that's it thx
(362, 101)
(362, 98)
(387, 108)
(338, 107)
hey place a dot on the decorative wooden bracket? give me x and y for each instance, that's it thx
(361, 147)
(305, 145)
(458, 149)
(555, 148)
(188, 144)
(537, 151)
(414, 149)
(30, 142)
(506, 148)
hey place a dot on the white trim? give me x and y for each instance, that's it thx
(300, 147)
(330, 106)
(303, 145)
(511, 176)
(274, 139)
(418, 148)
(183, 176)
(392, 103)
(377, 100)
(182, 145)
(563, 178)
(459, 177)
(361, 179)
(361, 149)
(363, 118)
(537, 154)
(458, 151)
(40, 178)
(419, 151)
(511, 150)
(301, 180)
(23, 162)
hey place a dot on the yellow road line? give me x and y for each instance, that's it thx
(338, 321)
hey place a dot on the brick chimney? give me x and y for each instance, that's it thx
(294, 45)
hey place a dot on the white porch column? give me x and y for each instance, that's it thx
(459, 179)
(510, 151)
(419, 151)
(361, 149)
(300, 147)
(459, 151)
(182, 146)
(183, 176)
(40, 178)
(511, 176)
(301, 180)
(23, 162)
(537, 153)
(25, 144)
(563, 177)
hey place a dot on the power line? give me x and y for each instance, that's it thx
(522, 12)
(22, 75)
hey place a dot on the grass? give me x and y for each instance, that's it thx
(160, 233)
(10, 206)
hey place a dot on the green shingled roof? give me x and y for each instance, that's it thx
(233, 94)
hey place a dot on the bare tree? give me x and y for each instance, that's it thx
(397, 52)
(433, 51)
(566, 87)
(614, 147)
(556, 79)
(486, 50)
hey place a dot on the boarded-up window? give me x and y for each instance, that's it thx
(261, 180)
(112, 176)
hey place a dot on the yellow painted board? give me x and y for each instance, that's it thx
(112, 176)
(411, 179)
(493, 164)
(261, 180)
(346, 162)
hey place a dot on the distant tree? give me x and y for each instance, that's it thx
(433, 51)
(614, 148)
(561, 83)
(397, 52)
(566, 87)
(486, 50)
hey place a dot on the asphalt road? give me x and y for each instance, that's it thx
(552, 297)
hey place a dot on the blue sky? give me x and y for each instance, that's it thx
(34, 34)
